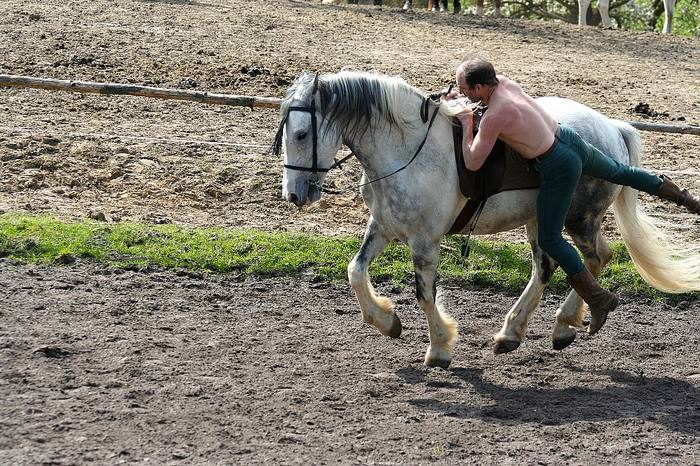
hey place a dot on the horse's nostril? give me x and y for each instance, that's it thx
(291, 197)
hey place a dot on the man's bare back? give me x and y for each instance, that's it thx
(512, 116)
(522, 123)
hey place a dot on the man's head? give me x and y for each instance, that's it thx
(475, 78)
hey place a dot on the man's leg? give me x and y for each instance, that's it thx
(559, 176)
(598, 165)
(671, 192)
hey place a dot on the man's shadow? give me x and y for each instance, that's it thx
(671, 402)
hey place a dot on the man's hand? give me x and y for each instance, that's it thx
(466, 117)
(450, 95)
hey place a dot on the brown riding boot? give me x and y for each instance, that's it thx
(600, 301)
(673, 193)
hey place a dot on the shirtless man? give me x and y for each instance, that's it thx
(561, 158)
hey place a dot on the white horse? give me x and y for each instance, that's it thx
(603, 7)
(378, 117)
(496, 8)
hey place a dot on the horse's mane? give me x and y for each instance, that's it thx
(351, 98)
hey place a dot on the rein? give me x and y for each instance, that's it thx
(420, 146)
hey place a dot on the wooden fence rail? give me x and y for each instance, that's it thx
(85, 87)
(7, 80)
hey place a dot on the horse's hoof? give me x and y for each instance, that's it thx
(438, 362)
(561, 343)
(505, 346)
(437, 357)
(395, 330)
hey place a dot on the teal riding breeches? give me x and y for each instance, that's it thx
(560, 169)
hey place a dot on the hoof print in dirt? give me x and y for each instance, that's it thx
(65, 259)
(97, 215)
(644, 109)
(52, 352)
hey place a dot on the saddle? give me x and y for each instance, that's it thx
(504, 170)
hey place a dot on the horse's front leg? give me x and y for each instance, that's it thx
(604, 9)
(583, 11)
(515, 324)
(376, 310)
(442, 327)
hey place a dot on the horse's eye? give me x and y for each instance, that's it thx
(301, 136)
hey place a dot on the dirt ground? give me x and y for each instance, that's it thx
(109, 366)
(105, 366)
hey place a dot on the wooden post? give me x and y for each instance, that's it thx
(8, 80)
(143, 91)
(659, 128)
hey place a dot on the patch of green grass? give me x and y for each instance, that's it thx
(501, 265)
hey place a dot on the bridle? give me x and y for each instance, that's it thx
(311, 110)
(314, 168)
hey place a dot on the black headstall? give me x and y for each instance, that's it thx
(311, 109)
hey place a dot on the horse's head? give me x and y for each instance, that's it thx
(310, 142)
(358, 108)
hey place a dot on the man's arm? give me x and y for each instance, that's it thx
(476, 150)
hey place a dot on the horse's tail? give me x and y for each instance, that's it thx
(662, 264)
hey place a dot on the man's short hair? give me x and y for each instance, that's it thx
(478, 71)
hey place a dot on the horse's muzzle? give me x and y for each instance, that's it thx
(310, 195)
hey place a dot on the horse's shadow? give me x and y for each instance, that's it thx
(671, 402)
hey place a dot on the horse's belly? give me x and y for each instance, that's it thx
(506, 211)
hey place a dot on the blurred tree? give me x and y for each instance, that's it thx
(626, 14)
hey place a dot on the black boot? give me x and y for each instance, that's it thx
(600, 301)
(671, 192)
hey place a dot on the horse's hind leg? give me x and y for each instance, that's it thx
(376, 310)
(442, 327)
(669, 5)
(583, 11)
(497, 8)
(604, 9)
(596, 253)
(515, 324)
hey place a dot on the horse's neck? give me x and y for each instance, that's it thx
(386, 147)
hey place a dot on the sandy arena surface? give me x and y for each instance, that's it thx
(104, 366)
